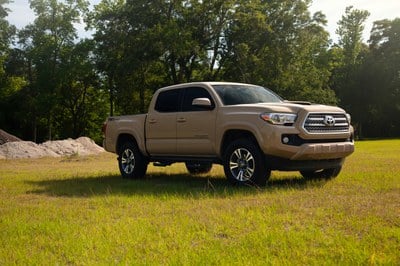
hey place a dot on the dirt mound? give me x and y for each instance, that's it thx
(6, 137)
(57, 148)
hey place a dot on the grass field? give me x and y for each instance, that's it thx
(79, 211)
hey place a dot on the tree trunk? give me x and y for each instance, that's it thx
(49, 126)
(111, 94)
(34, 130)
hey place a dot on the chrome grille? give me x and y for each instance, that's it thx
(323, 123)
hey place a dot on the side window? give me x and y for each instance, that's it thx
(168, 101)
(191, 94)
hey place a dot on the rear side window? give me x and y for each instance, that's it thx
(168, 101)
(191, 94)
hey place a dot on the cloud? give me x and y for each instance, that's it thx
(20, 13)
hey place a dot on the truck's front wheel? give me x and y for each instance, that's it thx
(131, 162)
(244, 164)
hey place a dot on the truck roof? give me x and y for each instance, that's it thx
(207, 83)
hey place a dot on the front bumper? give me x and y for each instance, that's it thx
(323, 151)
(306, 147)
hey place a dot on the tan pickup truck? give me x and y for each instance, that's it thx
(246, 128)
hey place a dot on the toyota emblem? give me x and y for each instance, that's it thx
(329, 121)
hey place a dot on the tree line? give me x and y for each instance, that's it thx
(54, 85)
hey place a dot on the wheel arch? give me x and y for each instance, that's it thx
(234, 134)
(123, 138)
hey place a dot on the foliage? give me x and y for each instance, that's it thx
(82, 105)
(380, 81)
(349, 58)
(54, 85)
(79, 210)
(279, 45)
(45, 43)
(60, 96)
(9, 84)
(276, 44)
(367, 79)
(350, 31)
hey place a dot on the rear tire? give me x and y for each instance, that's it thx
(322, 173)
(131, 162)
(198, 168)
(245, 164)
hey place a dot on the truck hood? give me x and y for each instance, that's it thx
(293, 107)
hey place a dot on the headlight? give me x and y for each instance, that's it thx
(279, 118)
(348, 118)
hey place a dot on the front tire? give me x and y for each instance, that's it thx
(131, 162)
(321, 174)
(245, 164)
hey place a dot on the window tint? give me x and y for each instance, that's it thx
(191, 94)
(168, 101)
(245, 94)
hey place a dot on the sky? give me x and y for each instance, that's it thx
(334, 9)
(21, 15)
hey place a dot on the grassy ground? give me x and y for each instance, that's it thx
(79, 211)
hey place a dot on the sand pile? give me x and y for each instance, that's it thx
(6, 137)
(58, 148)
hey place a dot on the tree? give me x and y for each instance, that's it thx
(279, 45)
(60, 83)
(10, 83)
(81, 105)
(108, 39)
(43, 43)
(7, 30)
(350, 53)
(350, 31)
(142, 45)
(380, 81)
(200, 26)
(157, 43)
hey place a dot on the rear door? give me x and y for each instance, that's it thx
(196, 125)
(161, 123)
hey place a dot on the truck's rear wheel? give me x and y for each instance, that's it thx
(322, 173)
(244, 164)
(131, 162)
(198, 168)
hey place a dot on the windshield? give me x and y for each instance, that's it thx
(245, 94)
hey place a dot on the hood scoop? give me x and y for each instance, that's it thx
(298, 102)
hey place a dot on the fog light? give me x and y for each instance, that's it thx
(285, 140)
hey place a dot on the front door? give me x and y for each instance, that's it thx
(196, 125)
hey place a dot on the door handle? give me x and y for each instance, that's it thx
(152, 121)
(181, 120)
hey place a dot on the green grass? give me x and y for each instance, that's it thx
(79, 211)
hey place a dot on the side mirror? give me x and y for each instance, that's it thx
(202, 102)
